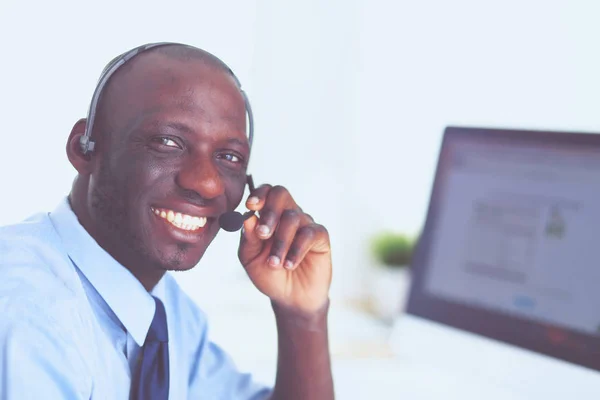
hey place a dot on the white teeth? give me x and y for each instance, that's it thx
(181, 221)
(198, 221)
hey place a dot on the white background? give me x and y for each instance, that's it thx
(350, 98)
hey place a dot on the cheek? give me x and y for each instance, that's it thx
(139, 175)
(149, 174)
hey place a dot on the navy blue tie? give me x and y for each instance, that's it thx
(151, 381)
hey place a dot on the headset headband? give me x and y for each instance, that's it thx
(87, 144)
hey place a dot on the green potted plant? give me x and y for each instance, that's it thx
(392, 250)
(390, 278)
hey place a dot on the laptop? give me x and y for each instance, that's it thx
(505, 296)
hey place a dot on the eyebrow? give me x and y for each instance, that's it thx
(174, 125)
(238, 141)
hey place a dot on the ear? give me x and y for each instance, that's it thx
(81, 162)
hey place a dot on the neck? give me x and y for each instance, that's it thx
(149, 278)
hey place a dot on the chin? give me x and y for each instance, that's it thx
(172, 248)
(178, 255)
(183, 258)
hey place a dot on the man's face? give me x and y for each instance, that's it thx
(171, 158)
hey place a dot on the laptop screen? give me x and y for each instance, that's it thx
(511, 245)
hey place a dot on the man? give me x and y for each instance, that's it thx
(88, 310)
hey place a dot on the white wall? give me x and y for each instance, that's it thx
(350, 96)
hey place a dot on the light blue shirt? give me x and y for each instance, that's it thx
(73, 320)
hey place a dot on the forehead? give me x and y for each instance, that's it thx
(153, 86)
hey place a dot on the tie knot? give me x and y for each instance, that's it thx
(158, 329)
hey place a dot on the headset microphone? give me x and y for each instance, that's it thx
(230, 221)
(233, 221)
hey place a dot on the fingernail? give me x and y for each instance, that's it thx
(288, 264)
(263, 230)
(273, 261)
(253, 200)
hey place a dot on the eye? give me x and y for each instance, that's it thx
(166, 141)
(230, 157)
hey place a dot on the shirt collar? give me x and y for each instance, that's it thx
(123, 293)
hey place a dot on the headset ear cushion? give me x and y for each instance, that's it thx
(86, 145)
(82, 146)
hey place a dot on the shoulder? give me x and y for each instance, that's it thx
(33, 240)
(41, 326)
(35, 277)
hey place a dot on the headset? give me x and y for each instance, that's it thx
(229, 221)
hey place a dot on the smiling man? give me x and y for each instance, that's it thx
(88, 308)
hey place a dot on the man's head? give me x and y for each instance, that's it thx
(171, 153)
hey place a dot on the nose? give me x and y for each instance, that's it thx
(202, 176)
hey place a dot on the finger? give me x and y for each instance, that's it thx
(250, 244)
(257, 198)
(283, 237)
(278, 199)
(307, 219)
(312, 237)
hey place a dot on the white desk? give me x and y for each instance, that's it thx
(363, 365)
(384, 378)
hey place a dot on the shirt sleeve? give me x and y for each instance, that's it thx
(36, 362)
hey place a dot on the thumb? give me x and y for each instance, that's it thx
(250, 244)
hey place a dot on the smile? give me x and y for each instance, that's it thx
(179, 220)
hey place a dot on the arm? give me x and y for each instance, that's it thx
(303, 366)
(288, 258)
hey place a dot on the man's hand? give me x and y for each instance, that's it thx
(285, 253)
(288, 258)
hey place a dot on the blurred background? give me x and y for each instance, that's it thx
(350, 100)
